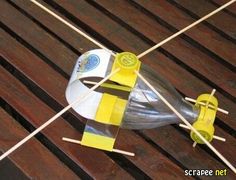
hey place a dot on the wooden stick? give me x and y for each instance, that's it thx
(77, 101)
(208, 101)
(219, 138)
(72, 27)
(209, 98)
(187, 123)
(137, 90)
(71, 140)
(202, 103)
(123, 152)
(185, 29)
(214, 137)
(89, 82)
(113, 150)
(194, 144)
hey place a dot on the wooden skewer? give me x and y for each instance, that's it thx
(185, 29)
(113, 150)
(194, 144)
(219, 138)
(71, 140)
(209, 98)
(202, 103)
(123, 152)
(214, 137)
(187, 123)
(89, 82)
(93, 82)
(76, 102)
(72, 27)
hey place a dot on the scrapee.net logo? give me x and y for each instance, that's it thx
(205, 172)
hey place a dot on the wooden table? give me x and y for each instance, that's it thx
(38, 54)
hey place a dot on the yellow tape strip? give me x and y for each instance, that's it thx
(105, 108)
(118, 87)
(118, 112)
(110, 110)
(97, 141)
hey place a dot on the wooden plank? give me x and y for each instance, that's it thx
(63, 32)
(185, 52)
(21, 59)
(47, 166)
(200, 33)
(7, 167)
(202, 7)
(190, 86)
(46, 45)
(201, 156)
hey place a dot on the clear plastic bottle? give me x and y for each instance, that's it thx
(144, 108)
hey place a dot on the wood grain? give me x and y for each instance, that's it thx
(11, 132)
(44, 52)
(201, 7)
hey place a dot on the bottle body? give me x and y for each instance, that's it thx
(145, 110)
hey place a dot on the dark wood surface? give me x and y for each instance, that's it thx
(38, 54)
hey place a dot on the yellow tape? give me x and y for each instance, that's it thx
(118, 112)
(117, 87)
(111, 110)
(105, 108)
(97, 141)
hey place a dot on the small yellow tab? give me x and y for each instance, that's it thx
(98, 141)
(117, 87)
(205, 121)
(128, 63)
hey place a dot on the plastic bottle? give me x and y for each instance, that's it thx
(139, 107)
